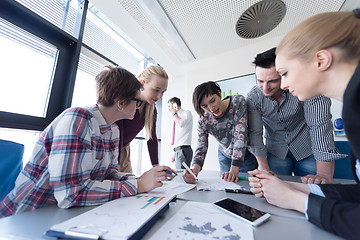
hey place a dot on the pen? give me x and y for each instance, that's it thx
(169, 172)
(189, 170)
(73, 235)
(242, 178)
(238, 190)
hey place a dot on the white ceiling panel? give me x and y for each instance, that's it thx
(208, 26)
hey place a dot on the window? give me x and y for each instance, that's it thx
(26, 67)
(104, 37)
(61, 13)
(84, 91)
(47, 66)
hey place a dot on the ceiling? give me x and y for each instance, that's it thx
(207, 26)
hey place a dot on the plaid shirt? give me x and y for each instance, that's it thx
(74, 163)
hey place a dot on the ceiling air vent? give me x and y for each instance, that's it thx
(260, 18)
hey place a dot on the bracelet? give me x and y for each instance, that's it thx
(174, 114)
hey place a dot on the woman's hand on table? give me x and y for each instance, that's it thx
(276, 191)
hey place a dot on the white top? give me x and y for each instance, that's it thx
(183, 130)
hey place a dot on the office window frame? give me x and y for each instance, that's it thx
(64, 70)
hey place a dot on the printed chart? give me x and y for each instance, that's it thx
(151, 200)
(118, 219)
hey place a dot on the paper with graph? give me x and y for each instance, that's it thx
(214, 184)
(172, 188)
(199, 221)
(117, 219)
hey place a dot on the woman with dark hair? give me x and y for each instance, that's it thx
(75, 160)
(226, 120)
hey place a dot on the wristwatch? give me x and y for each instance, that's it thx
(174, 114)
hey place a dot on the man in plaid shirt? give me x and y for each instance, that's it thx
(75, 160)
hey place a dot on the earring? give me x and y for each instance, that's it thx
(120, 109)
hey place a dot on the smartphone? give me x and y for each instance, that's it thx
(175, 106)
(249, 214)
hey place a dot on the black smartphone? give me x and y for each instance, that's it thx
(249, 214)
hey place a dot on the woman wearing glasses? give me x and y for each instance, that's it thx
(75, 160)
(154, 81)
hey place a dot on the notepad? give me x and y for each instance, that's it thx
(123, 218)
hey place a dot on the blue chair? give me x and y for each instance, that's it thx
(342, 166)
(11, 162)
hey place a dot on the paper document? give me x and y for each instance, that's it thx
(117, 219)
(214, 183)
(199, 221)
(172, 188)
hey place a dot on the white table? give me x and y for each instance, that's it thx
(283, 224)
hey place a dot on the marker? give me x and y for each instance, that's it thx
(169, 172)
(242, 178)
(189, 170)
(238, 190)
(73, 235)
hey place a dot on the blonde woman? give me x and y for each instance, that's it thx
(321, 56)
(154, 80)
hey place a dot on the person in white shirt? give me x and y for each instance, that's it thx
(183, 133)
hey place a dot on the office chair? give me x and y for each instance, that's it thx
(342, 165)
(11, 162)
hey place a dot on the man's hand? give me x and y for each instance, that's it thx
(263, 164)
(172, 109)
(324, 173)
(173, 159)
(316, 179)
(153, 178)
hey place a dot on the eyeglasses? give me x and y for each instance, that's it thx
(138, 102)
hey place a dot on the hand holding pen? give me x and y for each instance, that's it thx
(153, 178)
(190, 175)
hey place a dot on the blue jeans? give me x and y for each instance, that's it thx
(250, 162)
(291, 165)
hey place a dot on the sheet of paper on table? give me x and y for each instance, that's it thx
(214, 184)
(199, 221)
(171, 188)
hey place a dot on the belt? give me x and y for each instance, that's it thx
(181, 147)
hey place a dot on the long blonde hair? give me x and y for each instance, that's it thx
(323, 31)
(149, 108)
